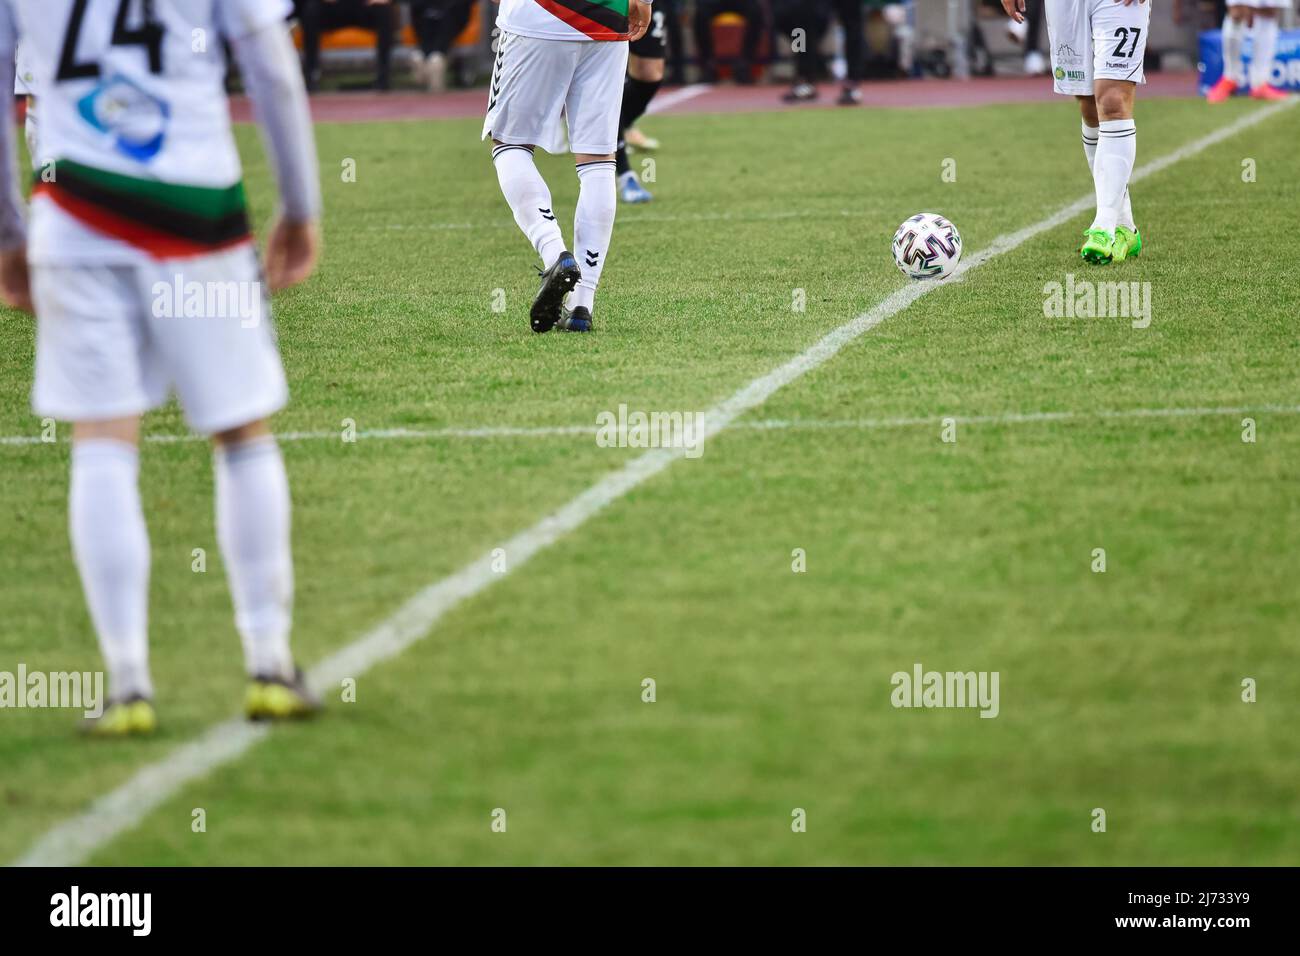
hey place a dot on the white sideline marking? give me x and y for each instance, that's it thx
(761, 424)
(71, 842)
(666, 101)
(640, 217)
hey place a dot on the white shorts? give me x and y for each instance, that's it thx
(115, 340)
(1096, 39)
(540, 85)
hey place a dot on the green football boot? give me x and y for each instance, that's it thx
(272, 697)
(133, 717)
(1128, 243)
(1098, 246)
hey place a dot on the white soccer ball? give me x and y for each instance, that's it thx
(927, 246)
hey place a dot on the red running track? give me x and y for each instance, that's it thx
(895, 94)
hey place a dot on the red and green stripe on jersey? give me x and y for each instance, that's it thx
(598, 19)
(165, 220)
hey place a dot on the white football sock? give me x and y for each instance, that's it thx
(530, 200)
(592, 226)
(111, 545)
(1263, 44)
(1233, 32)
(1111, 168)
(1090, 137)
(253, 531)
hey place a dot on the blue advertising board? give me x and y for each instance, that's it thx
(1286, 62)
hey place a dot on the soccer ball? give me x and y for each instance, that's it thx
(927, 246)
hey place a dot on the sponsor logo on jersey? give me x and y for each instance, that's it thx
(1065, 56)
(135, 119)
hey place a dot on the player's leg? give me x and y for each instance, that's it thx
(1263, 45)
(93, 368)
(811, 19)
(529, 198)
(705, 11)
(310, 14)
(592, 109)
(253, 530)
(225, 368)
(1070, 44)
(675, 40)
(1235, 24)
(110, 543)
(855, 50)
(1035, 64)
(1112, 166)
(644, 76)
(1091, 135)
(1118, 46)
(530, 80)
(755, 14)
(645, 70)
(593, 227)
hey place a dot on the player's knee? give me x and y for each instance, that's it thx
(242, 433)
(125, 430)
(1114, 103)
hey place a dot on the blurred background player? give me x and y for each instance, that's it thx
(1260, 19)
(148, 196)
(814, 17)
(437, 23)
(319, 16)
(561, 62)
(1029, 33)
(1097, 49)
(645, 74)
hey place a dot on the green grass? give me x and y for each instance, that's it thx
(1118, 690)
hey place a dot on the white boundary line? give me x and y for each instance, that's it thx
(666, 101)
(641, 217)
(761, 424)
(73, 841)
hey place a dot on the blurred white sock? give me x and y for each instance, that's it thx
(1263, 44)
(253, 531)
(1233, 33)
(111, 545)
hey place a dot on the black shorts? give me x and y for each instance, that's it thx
(652, 46)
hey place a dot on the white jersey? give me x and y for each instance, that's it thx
(136, 144)
(565, 19)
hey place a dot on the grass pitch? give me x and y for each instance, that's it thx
(1119, 690)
